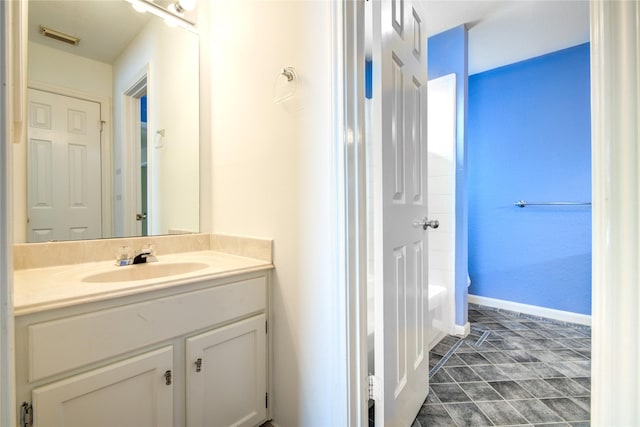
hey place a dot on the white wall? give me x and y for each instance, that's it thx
(64, 69)
(170, 54)
(274, 175)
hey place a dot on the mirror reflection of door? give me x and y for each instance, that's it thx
(138, 163)
(143, 167)
(63, 171)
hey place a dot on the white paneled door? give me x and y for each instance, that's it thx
(64, 183)
(400, 103)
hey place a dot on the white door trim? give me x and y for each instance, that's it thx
(350, 82)
(12, 28)
(130, 153)
(615, 103)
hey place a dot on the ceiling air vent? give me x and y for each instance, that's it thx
(59, 35)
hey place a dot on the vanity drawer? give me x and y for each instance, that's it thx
(60, 345)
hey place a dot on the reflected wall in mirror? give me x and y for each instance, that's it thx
(113, 124)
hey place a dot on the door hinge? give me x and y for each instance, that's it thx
(167, 377)
(373, 386)
(266, 400)
(198, 364)
(26, 414)
(266, 327)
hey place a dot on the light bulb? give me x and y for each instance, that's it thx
(187, 4)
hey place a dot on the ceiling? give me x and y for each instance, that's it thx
(105, 27)
(501, 32)
(507, 31)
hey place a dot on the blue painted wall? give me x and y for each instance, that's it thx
(447, 53)
(529, 138)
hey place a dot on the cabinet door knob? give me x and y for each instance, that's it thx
(167, 377)
(198, 364)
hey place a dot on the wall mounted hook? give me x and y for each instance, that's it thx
(289, 73)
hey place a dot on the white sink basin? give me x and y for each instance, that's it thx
(144, 271)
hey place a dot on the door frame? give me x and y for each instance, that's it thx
(350, 31)
(130, 153)
(604, 388)
(106, 146)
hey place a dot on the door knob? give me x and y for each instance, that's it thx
(426, 223)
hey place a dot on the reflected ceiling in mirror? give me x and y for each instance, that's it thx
(113, 134)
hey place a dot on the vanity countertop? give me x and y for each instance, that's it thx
(39, 289)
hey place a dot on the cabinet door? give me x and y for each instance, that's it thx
(226, 381)
(133, 392)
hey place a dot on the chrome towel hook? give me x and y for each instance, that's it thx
(289, 73)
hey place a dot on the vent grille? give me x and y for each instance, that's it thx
(59, 35)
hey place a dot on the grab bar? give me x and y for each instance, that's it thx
(524, 203)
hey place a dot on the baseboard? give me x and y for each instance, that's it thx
(462, 330)
(549, 313)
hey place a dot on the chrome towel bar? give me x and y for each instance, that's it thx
(524, 203)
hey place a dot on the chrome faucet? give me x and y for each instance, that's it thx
(146, 254)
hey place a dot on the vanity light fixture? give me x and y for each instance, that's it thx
(59, 35)
(170, 16)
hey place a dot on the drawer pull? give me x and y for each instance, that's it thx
(198, 364)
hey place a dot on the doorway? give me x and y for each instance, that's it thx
(136, 159)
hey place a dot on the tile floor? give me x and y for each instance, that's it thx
(511, 370)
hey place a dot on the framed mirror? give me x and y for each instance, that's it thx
(113, 124)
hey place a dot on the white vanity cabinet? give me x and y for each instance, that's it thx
(226, 384)
(134, 392)
(194, 354)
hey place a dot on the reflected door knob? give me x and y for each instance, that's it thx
(426, 223)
